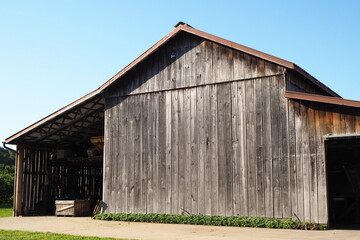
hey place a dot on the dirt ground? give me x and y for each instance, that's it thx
(154, 231)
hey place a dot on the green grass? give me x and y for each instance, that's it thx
(17, 235)
(6, 210)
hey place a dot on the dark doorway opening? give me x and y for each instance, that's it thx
(343, 169)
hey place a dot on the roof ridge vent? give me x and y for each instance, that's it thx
(182, 23)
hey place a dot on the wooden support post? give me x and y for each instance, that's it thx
(18, 181)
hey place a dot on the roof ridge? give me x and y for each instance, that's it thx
(181, 26)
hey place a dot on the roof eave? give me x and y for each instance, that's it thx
(321, 99)
(12, 139)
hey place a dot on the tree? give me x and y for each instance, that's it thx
(7, 170)
(7, 157)
(6, 183)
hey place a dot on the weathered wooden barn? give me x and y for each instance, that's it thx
(203, 125)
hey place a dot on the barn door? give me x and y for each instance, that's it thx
(343, 171)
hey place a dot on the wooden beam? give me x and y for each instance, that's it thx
(68, 124)
(18, 181)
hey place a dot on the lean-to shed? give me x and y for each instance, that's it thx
(204, 125)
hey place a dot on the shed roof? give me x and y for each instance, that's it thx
(322, 99)
(51, 125)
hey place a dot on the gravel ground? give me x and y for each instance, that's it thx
(155, 231)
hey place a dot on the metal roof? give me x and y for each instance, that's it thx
(56, 123)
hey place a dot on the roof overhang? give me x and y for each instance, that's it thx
(76, 119)
(322, 99)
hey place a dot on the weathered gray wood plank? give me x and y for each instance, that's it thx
(131, 156)
(321, 166)
(213, 141)
(150, 155)
(299, 165)
(186, 154)
(182, 147)
(250, 147)
(228, 148)
(305, 162)
(285, 165)
(169, 125)
(156, 160)
(106, 163)
(267, 154)
(244, 209)
(276, 146)
(292, 154)
(313, 166)
(236, 148)
(201, 150)
(207, 156)
(119, 151)
(221, 136)
(162, 151)
(144, 153)
(194, 133)
(175, 153)
(259, 152)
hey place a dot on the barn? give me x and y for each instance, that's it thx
(203, 125)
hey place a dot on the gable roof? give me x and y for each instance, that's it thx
(180, 27)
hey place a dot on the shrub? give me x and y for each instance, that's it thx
(6, 183)
(198, 219)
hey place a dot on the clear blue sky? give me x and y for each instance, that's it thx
(53, 52)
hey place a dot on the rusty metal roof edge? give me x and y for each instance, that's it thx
(88, 96)
(322, 99)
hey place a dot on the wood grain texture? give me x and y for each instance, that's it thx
(226, 143)
(250, 147)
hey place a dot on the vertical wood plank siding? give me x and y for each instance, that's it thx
(206, 151)
(201, 128)
(312, 122)
(34, 175)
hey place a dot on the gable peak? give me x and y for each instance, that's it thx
(182, 24)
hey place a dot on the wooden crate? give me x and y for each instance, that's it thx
(73, 208)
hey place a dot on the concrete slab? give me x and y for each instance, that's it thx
(154, 231)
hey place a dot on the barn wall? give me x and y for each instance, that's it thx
(189, 61)
(308, 123)
(206, 150)
(203, 149)
(31, 192)
(298, 83)
(209, 131)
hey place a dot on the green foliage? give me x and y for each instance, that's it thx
(17, 235)
(197, 219)
(7, 157)
(6, 183)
